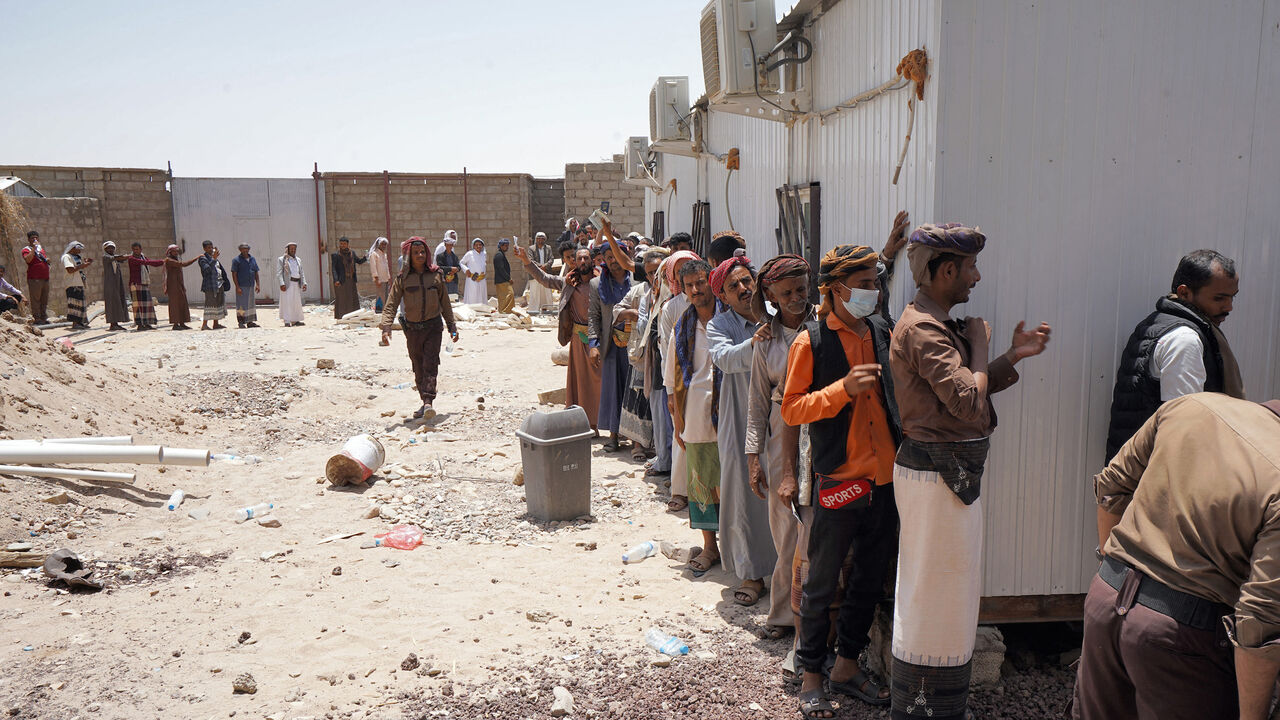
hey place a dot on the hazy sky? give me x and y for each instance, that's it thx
(236, 88)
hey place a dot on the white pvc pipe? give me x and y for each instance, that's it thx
(95, 475)
(75, 453)
(184, 456)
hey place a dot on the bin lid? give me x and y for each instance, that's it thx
(556, 426)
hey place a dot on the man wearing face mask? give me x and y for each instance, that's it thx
(837, 383)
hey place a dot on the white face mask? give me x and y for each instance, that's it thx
(861, 303)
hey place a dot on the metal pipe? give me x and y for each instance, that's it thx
(466, 213)
(315, 176)
(68, 473)
(73, 453)
(386, 200)
(184, 456)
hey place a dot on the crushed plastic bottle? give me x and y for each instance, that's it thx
(448, 348)
(402, 537)
(648, 548)
(402, 386)
(176, 499)
(248, 513)
(234, 459)
(664, 643)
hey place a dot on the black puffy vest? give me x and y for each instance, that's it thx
(1137, 392)
(828, 437)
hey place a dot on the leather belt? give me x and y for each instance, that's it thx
(1186, 608)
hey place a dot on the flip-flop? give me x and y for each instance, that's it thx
(815, 706)
(708, 564)
(854, 687)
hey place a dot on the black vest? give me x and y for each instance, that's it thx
(828, 437)
(1137, 391)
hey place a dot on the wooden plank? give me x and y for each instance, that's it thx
(1031, 608)
(21, 559)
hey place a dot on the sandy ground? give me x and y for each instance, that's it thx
(487, 602)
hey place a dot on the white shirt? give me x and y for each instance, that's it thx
(292, 264)
(1178, 362)
(75, 279)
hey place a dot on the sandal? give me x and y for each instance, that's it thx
(701, 564)
(637, 453)
(748, 594)
(610, 447)
(815, 706)
(777, 632)
(677, 503)
(857, 686)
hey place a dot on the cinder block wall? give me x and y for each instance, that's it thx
(133, 204)
(61, 221)
(496, 206)
(586, 185)
(548, 207)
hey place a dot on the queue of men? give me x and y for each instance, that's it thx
(813, 446)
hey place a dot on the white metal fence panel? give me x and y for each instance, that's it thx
(266, 213)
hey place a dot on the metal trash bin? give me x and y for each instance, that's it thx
(555, 451)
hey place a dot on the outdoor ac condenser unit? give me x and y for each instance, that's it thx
(735, 33)
(635, 162)
(669, 110)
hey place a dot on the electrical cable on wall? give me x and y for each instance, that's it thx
(727, 210)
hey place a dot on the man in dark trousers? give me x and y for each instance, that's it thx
(839, 385)
(1183, 618)
(421, 290)
(1178, 349)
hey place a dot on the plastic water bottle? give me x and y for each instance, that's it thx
(249, 513)
(648, 548)
(176, 499)
(402, 386)
(236, 459)
(448, 348)
(664, 643)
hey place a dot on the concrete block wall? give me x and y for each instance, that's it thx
(586, 185)
(548, 207)
(496, 206)
(61, 221)
(134, 204)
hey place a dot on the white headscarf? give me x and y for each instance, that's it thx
(376, 242)
(71, 245)
(475, 261)
(448, 235)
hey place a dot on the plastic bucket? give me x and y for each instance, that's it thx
(359, 458)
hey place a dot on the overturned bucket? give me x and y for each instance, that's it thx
(360, 457)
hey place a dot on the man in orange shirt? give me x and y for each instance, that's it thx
(838, 384)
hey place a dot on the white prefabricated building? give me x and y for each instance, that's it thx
(1093, 142)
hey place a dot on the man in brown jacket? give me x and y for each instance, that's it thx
(1189, 530)
(421, 287)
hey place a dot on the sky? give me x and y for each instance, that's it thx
(262, 89)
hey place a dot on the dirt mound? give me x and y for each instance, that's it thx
(51, 389)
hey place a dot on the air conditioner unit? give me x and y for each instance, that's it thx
(669, 109)
(735, 33)
(636, 163)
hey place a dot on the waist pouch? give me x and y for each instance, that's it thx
(836, 494)
(960, 464)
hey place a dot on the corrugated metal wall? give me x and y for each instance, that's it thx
(1096, 143)
(266, 213)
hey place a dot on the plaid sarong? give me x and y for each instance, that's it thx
(215, 305)
(144, 308)
(246, 309)
(704, 485)
(75, 306)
